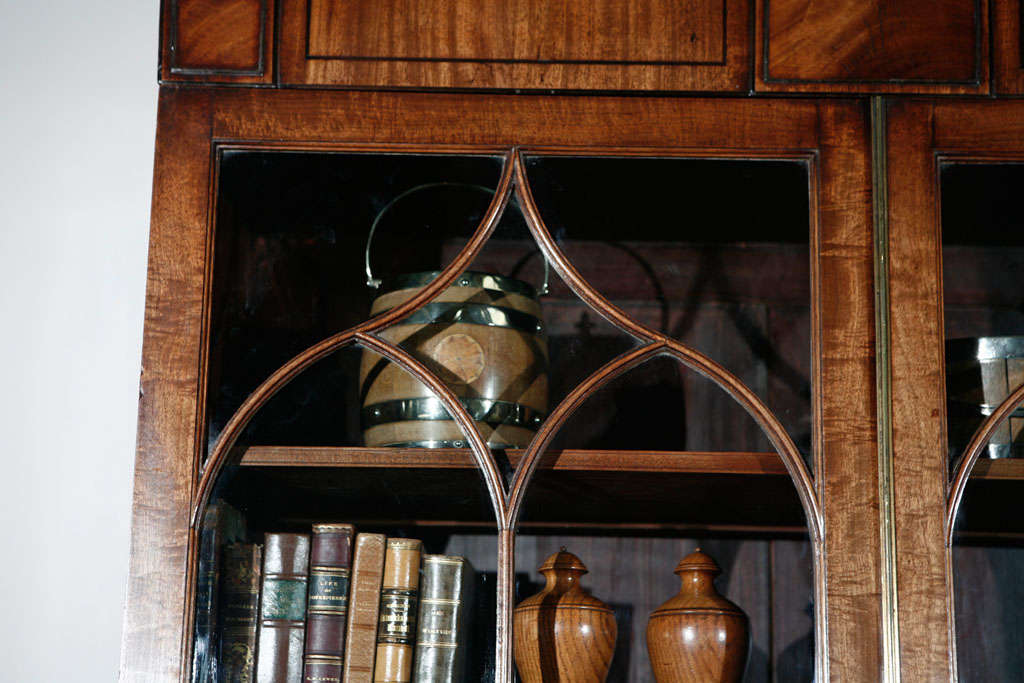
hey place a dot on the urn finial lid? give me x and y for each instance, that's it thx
(698, 561)
(564, 560)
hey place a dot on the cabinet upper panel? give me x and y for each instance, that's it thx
(1008, 49)
(925, 46)
(223, 41)
(528, 44)
(519, 30)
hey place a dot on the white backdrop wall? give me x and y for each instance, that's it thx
(77, 120)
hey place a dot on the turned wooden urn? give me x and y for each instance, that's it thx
(698, 636)
(562, 634)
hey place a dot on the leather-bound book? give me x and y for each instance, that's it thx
(396, 627)
(222, 524)
(330, 560)
(363, 608)
(241, 564)
(282, 608)
(446, 595)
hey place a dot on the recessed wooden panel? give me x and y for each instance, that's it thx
(927, 46)
(563, 44)
(1007, 48)
(486, 30)
(217, 40)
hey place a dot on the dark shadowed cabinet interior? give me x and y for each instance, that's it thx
(624, 278)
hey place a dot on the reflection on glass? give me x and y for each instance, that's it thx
(295, 467)
(714, 253)
(983, 266)
(290, 244)
(771, 580)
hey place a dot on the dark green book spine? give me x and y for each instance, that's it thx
(282, 608)
(239, 612)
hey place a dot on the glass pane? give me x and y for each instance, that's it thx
(291, 238)
(630, 488)
(715, 253)
(983, 266)
(295, 467)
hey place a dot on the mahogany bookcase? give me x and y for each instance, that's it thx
(757, 219)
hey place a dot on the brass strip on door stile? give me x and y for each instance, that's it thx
(883, 385)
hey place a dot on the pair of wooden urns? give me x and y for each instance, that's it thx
(564, 635)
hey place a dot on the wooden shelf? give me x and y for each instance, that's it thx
(593, 492)
(1007, 469)
(567, 460)
(990, 509)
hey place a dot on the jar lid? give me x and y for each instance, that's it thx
(563, 560)
(698, 561)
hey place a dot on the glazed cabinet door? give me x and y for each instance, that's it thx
(508, 325)
(956, 255)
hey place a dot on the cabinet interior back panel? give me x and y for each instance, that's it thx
(521, 31)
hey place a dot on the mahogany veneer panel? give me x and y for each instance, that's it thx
(218, 40)
(526, 44)
(897, 46)
(1007, 47)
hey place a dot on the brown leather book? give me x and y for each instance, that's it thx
(446, 594)
(364, 604)
(396, 628)
(282, 608)
(330, 560)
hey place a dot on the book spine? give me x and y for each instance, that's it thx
(396, 628)
(282, 608)
(363, 608)
(446, 593)
(239, 610)
(222, 524)
(330, 561)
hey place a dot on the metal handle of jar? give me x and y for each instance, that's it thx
(374, 282)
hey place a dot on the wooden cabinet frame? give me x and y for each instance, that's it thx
(831, 137)
(922, 135)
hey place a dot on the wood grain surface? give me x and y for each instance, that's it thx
(582, 460)
(918, 408)
(922, 136)
(154, 623)
(1007, 53)
(525, 44)
(849, 463)
(698, 635)
(226, 41)
(879, 46)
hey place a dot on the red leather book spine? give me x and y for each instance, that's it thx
(330, 563)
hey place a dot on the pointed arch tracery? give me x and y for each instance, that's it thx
(507, 503)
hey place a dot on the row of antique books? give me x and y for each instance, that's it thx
(332, 606)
